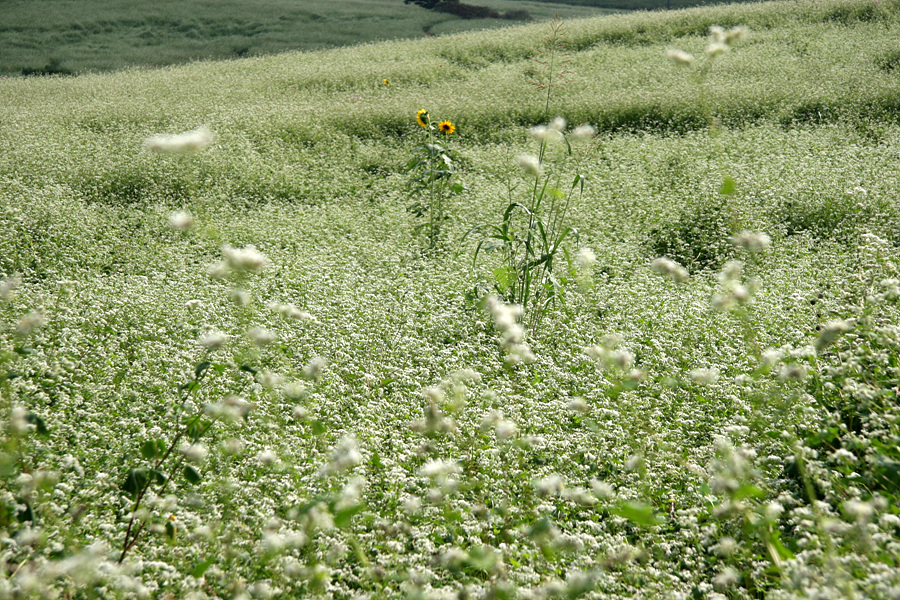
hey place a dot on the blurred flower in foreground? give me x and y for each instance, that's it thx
(180, 143)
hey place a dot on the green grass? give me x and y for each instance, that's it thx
(747, 457)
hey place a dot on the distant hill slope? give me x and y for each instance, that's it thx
(72, 36)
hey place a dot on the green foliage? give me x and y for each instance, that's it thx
(697, 238)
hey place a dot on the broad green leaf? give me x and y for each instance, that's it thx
(201, 368)
(152, 449)
(505, 277)
(728, 187)
(343, 516)
(202, 566)
(637, 512)
(135, 481)
(192, 474)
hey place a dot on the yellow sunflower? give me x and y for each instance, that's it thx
(423, 118)
(446, 127)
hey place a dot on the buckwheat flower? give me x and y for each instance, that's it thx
(679, 57)
(717, 33)
(585, 259)
(752, 241)
(8, 286)
(552, 484)
(180, 143)
(260, 336)
(244, 260)
(194, 453)
(716, 48)
(792, 372)
(601, 489)
(295, 390)
(578, 404)
(669, 268)
(558, 124)
(439, 469)
(219, 270)
(859, 511)
(267, 458)
(344, 456)
(239, 296)
(726, 578)
(181, 221)
(212, 340)
(842, 455)
(831, 332)
(30, 322)
(583, 132)
(736, 34)
(530, 164)
(314, 369)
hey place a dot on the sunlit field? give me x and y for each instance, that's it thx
(600, 308)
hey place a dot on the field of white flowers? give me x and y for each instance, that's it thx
(262, 333)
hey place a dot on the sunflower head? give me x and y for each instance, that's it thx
(446, 127)
(422, 117)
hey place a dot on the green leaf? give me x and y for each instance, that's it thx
(38, 423)
(197, 428)
(201, 368)
(457, 188)
(637, 512)
(505, 277)
(728, 187)
(343, 516)
(748, 490)
(7, 464)
(152, 449)
(201, 567)
(317, 427)
(159, 478)
(192, 474)
(249, 369)
(135, 481)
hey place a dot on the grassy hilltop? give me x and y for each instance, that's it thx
(241, 356)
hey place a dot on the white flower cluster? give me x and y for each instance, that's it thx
(181, 143)
(720, 42)
(512, 335)
(669, 268)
